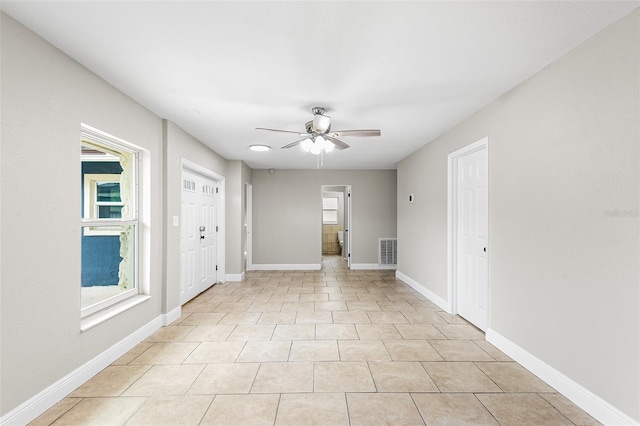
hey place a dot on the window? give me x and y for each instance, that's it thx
(330, 211)
(109, 221)
(102, 199)
(107, 202)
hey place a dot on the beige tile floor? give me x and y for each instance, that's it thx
(335, 347)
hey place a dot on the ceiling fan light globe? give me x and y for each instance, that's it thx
(328, 146)
(316, 149)
(306, 145)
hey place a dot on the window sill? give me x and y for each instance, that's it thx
(106, 314)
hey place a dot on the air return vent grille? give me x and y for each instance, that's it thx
(387, 251)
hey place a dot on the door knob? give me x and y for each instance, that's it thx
(202, 228)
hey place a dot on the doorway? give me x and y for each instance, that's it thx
(200, 247)
(468, 233)
(336, 225)
(247, 263)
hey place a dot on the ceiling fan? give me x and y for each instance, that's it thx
(318, 137)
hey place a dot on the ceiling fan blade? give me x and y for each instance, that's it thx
(338, 143)
(281, 131)
(292, 144)
(342, 133)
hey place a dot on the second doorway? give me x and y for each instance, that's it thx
(336, 222)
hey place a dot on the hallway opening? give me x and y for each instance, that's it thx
(336, 222)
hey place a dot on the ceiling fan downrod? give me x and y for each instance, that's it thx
(317, 110)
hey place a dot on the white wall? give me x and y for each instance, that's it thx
(180, 145)
(287, 213)
(45, 97)
(246, 178)
(238, 173)
(564, 271)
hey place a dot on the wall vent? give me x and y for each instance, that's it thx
(387, 251)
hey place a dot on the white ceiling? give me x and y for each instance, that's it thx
(220, 69)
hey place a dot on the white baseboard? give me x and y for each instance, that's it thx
(234, 278)
(598, 408)
(287, 267)
(424, 291)
(38, 404)
(371, 266)
(170, 317)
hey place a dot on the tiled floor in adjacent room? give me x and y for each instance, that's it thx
(335, 347)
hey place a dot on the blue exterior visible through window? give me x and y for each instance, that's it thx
(108, 201)
(109, 212)
(108, 191)
(101, 254)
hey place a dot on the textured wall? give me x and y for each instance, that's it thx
(45, 98)
(564, 175)
(287, 213)
(180, 145)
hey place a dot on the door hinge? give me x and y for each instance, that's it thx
(216, 267)
(216, 189)
(349, 255)
(349, 195)
(216, 229)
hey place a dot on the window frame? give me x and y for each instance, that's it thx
(91, 204)
(327, 207)
(95, 226)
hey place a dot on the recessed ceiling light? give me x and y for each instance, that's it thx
(259, 147)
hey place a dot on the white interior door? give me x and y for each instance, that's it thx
(198, 236)
(208, 231)
(472, 236)
(189, 240)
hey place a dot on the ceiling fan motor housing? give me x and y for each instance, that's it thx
(309, 126)
(321, 123)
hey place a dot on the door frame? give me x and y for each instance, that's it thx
(347, 223)
(346, 189)
(452, 223)
(191, 167)
(248, 226)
